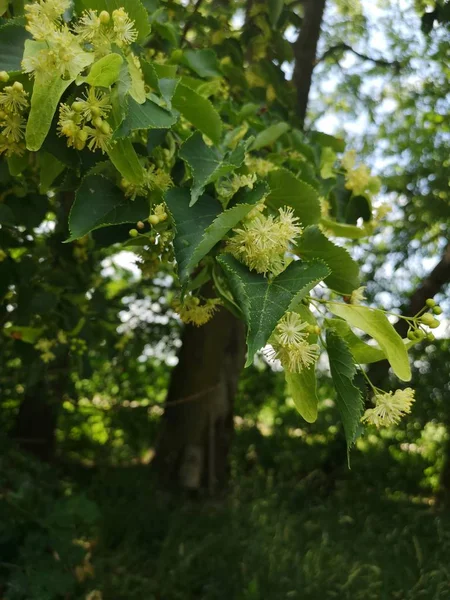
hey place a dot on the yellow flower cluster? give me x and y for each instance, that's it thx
(73, 121)
(44, 346)
(289, 344)
(13, 104)
(263, 241)
(191, 311)
(69, 51)
(259, 166)
(154, 179)
(389, 408)
(359, 179)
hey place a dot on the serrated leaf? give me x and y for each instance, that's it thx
(199, 111)
(375, 323)
(123, 156)
(264, 302)
(105, 71)
(205, 162)
(287, 190)
(203, 62)
(270, 135)
(327, 141)
(144, 116)
(12, 41)
(99, 203)
(351, 232)
(135, 9)
(201, 227)
(343, 370)
(344, 276)
(47, 92)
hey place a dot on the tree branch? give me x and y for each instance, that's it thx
(343, 47)
(188, 23)
(305, 48)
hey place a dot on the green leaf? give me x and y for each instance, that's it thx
(287, 190)
(30, 335)
(270, 135)
(362, 353)
(199, 111)
(12, 41)
(49, 169)
(349, 400)
(17, 164)
(303, 386)
(47, 92)
(344, 276)
(352, 232)
(144, 116)
(201, 227)
(203, 62)
(275, 9)
(264, 302)
(327, 141)
(105, 71)
(167, 87)
(99, 203)
(135, 9)
(205, 163)
(123, 156)
(137, 89)
(375, 323)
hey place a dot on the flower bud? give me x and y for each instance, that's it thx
(153, 220)
(133, 233)
(98, 122)
(95, 111)
(77, 106)
(430, 302)
(437, 310)
(105, 128)
(17, 86)
(2, 115)
(124, 183)
(83, 135)
(427, 319)
(4, 77)
(104, 17)
(140, 225)
(411, 335)
(430, 337)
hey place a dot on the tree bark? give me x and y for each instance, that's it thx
(192, 450)
(305, 50)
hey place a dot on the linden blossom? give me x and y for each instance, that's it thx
(389, 408)
(263, 241)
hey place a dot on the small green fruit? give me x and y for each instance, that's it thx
(430, 302)
(437, 310)
(133, 233)
(104, 17)
(153, 220)
(4, 77)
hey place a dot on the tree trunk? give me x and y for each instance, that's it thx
(192, 450)
(305, 50)
(34, 429)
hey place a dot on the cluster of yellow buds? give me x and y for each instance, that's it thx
(226, 188)
(359, 179)
(73, 121)
(259, 166)
(78, 346)
(389, 408)
(154, 178)
(263, 241)
(44, 346)
(417, 331)
(192, 311)
(289, 344)
(13, 105)
(159, 214)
